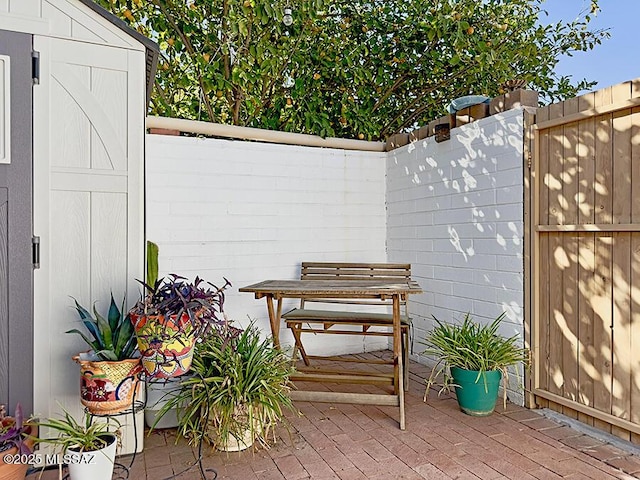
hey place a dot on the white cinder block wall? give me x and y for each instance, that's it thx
(455, 212)
(252, 211)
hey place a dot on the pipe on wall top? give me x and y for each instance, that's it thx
(258, 134)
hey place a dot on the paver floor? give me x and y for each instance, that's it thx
(341, 441)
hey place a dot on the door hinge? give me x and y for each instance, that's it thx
(529, 159)
(35, 251)
(35, 67)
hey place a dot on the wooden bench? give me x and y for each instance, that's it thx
(323, 321)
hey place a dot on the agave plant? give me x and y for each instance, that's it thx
(112, 338)
(13, 431)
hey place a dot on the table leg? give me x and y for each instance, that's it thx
(274, 319)
(398, 380)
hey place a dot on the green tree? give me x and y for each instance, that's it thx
(348, 68)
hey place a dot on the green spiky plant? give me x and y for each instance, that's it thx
(240, 384)
(72, 435)
(112, 338)
(152, 262)
(471, 346)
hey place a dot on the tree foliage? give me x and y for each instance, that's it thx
(348, 68)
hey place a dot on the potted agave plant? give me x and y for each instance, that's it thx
(170, 317)
(17, 437)
(109, 371)
(87, 447)
(237, 393)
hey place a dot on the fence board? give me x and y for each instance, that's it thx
(602, 339)
(635, 164)
(556, 316)
(621, 130)
(541, 257)
(556, 167)
(635, 332)
(603, 184)
(621, 341)
(586, 166)
(556, 253)
(570, 319)
(569, 179)
(586, 348)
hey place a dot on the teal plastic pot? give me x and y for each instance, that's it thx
(477, 395)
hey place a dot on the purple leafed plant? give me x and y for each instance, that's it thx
(13, 431)
(202, 301)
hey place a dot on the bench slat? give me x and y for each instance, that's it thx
(385, 266)
(366, 273)
(306, 315)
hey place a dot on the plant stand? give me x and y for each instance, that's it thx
(203, 473)
(120, 471)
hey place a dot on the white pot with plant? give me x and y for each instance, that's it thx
(88, 448)
(238, 391)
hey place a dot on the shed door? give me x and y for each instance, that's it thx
(88, 210)
(16, 271)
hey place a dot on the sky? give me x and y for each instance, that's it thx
(617, 59)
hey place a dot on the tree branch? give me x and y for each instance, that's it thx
(191, 52)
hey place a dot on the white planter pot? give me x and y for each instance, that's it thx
(237, 445)
(96, 465)
(158, 394)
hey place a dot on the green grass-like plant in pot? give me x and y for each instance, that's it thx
(238, 391)
(87, 446)
(473, 358)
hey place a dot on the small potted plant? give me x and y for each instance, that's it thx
(473, 358)
(88, 448)
(109, 371)
(169, 319)
(239, 388)
(17, 437)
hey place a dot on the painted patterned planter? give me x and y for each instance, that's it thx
(107, 388)
(166, 345)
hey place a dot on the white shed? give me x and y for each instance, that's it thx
(74, 87)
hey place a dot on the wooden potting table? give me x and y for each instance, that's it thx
(396, 290)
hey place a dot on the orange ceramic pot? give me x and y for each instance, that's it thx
(107, 388)
(16, 470)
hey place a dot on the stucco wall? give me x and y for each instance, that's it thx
(252, 211)
(455, 212)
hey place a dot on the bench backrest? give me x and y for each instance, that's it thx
(356, 272)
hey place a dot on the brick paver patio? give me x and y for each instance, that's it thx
(364, 442)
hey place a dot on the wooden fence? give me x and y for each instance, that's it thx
(585, 205)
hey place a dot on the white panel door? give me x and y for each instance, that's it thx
(88, 208)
